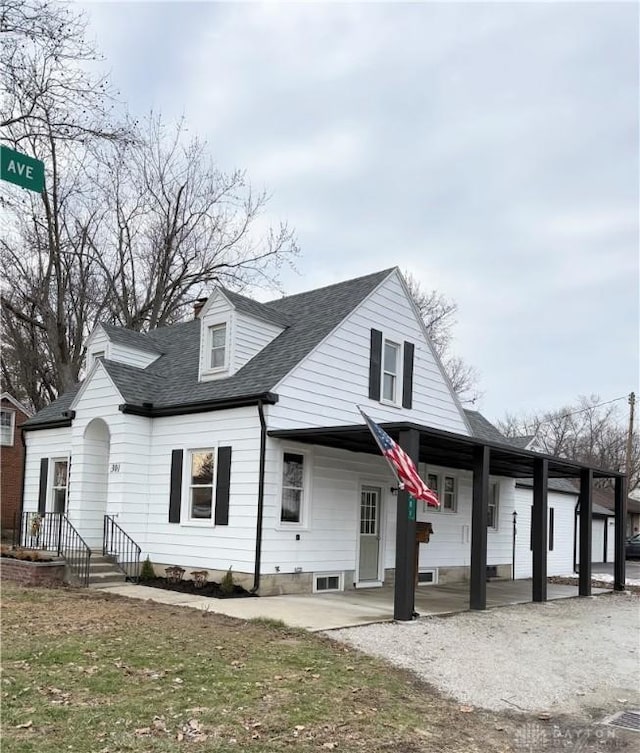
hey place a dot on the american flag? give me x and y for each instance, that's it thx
(402, 465)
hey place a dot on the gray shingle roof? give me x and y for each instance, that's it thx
(522, 442)
(129, 338)
(481, 428)
(255, 308)
(172, 380)
(554, 484)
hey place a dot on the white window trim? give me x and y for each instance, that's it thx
(397, 402)
(383, 485)
(425, 471)
(50, 477)
(305, 507)
(339, 575)
(208, 347)
(206, 373)
(12, 413)
(433, 570)
(186, 520)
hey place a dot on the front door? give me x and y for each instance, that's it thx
(369, 559)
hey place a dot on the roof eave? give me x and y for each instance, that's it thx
(53, 423)
(149, 411)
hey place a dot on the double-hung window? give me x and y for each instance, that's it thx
(59, 485)
(449, 499)
(7, 425)
(445, 487)
(293, 482)
(201, 485)
(218, 346)
(390, 370)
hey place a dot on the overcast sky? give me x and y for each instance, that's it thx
(490, 149)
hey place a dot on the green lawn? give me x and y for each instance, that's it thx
(90, 673)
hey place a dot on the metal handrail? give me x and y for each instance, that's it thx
(117, 544)
(53, 532)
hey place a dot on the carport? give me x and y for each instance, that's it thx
(428, 445)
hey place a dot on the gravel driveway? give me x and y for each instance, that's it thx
(566, 656)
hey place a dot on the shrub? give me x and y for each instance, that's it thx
(226, 584)
(146, 571)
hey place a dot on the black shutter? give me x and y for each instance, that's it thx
(375, 364)
(42, 493)
(551, 522)
(223, 481)
(407, 375)
(175, 491)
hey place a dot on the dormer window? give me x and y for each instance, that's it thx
(218, 346)
(390, 371)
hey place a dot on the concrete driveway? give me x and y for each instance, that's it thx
(317, 612)
(632, 566)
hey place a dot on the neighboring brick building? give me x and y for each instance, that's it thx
(12, 416)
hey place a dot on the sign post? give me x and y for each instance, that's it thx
(21, 169)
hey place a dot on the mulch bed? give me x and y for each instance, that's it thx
(212, 589)
(28, 555)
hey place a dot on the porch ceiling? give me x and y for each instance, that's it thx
(441, 448)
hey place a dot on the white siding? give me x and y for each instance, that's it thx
(324, 389)
(560, 559)
(217, 310)
(88, 503)
(131, 356)
(328, 541)
(250, 336)
(200, 545)
(98, 343)
(44, 443)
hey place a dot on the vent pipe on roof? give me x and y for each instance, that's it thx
(197, 307)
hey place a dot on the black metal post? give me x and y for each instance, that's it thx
(479, 519)
(619, 567)
(586, 519)
(513, 544)
(404, 589)
(59, 533)
(540, 533)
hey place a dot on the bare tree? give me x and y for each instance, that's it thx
(131, 224)
(438, 314)
(49, 86)
(175, 225)
(586, 430)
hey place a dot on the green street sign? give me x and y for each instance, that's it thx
(22, 170)
(412, 508)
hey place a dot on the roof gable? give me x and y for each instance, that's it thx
(172, 379)
(16, 403)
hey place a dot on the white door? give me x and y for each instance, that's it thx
(597, 540)
(370, 539)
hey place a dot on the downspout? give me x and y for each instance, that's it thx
(261, 469)
(21, 506)
(575, 532)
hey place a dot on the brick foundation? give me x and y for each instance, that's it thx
(32, 573)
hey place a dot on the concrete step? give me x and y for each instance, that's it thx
(101, 567)
(105, 578)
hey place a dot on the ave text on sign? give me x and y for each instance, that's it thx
(21, 169)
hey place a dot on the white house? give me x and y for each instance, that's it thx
(234, 440)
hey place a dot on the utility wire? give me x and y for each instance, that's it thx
(584, 410)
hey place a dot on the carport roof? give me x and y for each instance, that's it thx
(443, 448)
